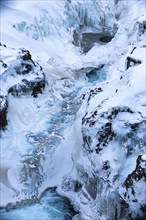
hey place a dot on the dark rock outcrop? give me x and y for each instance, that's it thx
(3, 112)
(20, 76)
(34, 87)
(89, 39)
(106, 132)
(25, 55)
(133, 194)
(33, 80)
(132, 62)
(118, 131)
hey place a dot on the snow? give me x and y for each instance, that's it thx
(143, 157)
(49, 128)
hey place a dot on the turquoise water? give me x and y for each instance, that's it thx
(97, 75)
(50, 207)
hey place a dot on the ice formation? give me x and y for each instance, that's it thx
(73, 111)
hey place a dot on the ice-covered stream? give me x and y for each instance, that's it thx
(73, 112)
(50, 206)
(34, 151)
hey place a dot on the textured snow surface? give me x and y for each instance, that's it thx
(84, 133)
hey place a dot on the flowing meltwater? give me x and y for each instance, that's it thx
(41, 131)
(49, 207)
(61, 101)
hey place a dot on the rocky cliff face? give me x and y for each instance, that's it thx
(20, 75)
(133, 190)
(3, 111)
(111, 166)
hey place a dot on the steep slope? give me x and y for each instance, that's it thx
(109, 177)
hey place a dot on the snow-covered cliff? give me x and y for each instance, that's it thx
(73, 111)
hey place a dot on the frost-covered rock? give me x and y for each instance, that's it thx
(113, 132)
(88, 40)
(113, 122)
(20, 75)
(134, 190)
(3, 112)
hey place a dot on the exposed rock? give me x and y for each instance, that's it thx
(106, 39)
(3, 112)
(141, 27)
(20, 76)
(76, 38)
(89, 39)
(35, 87)
(3, 64)
(144, 25)
(105, 177)
(33, 80)
(133, 194)
(2, 45)
(72, 185)
(132, 62)
(113, 137)
(25, 54)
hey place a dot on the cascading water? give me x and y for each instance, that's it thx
(38, 147)
(49, 206)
